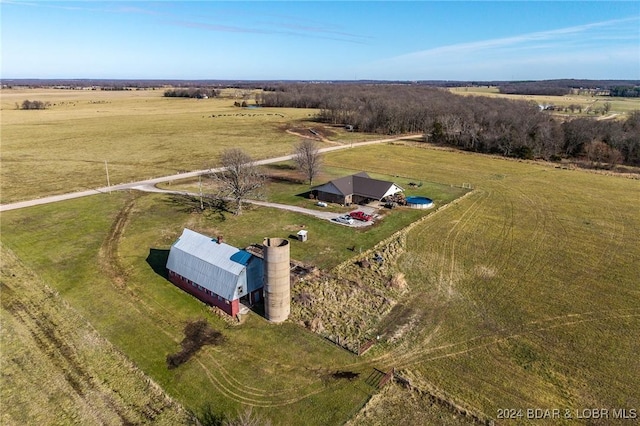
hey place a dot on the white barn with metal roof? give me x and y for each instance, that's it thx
(215, 272)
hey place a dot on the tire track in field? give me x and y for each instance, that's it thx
(501, 250)
(109, 260)
(444, 259)
(531, 264)
(448, 257)
(616, 234)
(489, 261)
(232, 392)
(232, 381)
(447, 262)
(526, 263)
(479, 342)
(257, 402)
(527, 266)
(498, 257)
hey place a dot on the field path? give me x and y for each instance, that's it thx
(155, 181)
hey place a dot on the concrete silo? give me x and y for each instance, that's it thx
(277, 287)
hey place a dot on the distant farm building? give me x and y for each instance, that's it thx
(357, 188)
(215, 272)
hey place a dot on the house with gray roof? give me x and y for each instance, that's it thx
(215, 272)
(356, 188)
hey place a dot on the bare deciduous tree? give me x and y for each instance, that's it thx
(240, 178)
(307, 157)
(597, 152)
(247, 418)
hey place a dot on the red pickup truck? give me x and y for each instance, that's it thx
(361, 216)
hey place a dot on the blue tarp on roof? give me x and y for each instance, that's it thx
(242, 257)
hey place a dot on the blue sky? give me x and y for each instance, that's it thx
(414, 40)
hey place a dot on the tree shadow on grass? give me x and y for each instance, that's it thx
(196, 335)
(157, 259)
(280, 166)
(193, 204)
(286, 179)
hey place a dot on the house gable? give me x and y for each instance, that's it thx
(357, 186)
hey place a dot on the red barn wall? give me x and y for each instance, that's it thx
(231, 307)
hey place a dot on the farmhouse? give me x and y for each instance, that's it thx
(215, 272)
(356, 188)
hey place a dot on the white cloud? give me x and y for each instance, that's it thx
(595, 44)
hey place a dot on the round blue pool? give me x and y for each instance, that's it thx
(417, 202)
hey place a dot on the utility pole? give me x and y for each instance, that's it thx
(200, 187)
(106, 167)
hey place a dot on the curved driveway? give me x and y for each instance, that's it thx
(311, 212)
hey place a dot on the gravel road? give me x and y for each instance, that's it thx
(146, 184)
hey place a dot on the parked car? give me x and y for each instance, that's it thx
(346, 219)
(321, 204)
(362, 216)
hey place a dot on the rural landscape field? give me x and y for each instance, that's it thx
(516, 296)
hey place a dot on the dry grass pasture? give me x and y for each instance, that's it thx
(54, 361)
(141, 134)
(522, 294)
(619, 106)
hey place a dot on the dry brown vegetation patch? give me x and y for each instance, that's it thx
(396, 404)
(347, 305)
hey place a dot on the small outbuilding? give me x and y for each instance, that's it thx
(356, 189)
(303, 235)
(214, 272)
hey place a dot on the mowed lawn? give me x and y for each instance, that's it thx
(524, 294)
(140, 134)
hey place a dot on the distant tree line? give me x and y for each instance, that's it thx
(190, 92)
(563, 87)
(626, 91)
(27, 104)
(481, 124)
(534, 88)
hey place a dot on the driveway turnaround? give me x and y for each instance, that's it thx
(311, 212)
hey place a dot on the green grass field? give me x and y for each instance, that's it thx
(107, 269)
(523, 294)
(528, 288)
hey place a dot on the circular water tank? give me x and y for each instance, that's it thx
(277, 287)
(418, 202)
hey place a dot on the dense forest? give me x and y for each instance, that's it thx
(481, 124)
